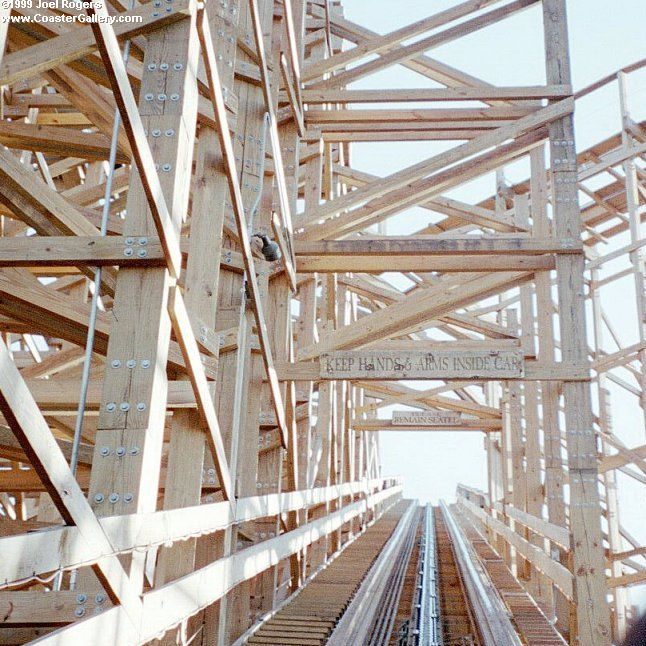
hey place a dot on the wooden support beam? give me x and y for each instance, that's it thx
(79, 42)
(215, 89)
(592, 615)
(31, 430)
(464, 93)
(532, 370)
(115, 67)
(428, 245)
(415, 310)
(188, 344)
(453, 263)
(477, 425)
(96, 251)
(188, 595)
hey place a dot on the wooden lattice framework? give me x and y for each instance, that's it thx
(224, 456)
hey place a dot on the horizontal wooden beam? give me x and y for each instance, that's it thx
(474, 425)
(555, 533)
(450, 263)
(60, 251)
(557, 573)
(54, 608)
(63, 547)
(429, 245)
(464, 93)
(56, 140)
(534, 371)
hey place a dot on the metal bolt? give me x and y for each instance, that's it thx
(156, 13)
(121, 451)
(81, 598)
(143, 241)
(131, 363)
(152, 66)
(166, 167)
(130, 240)
(145, 363)
(161, 97)
(110, 407)
(174, 97)
(128, 498)
(142, 253)
(79, 612)
(100, 597)
(163, 66)
(128, 252)
(134, 450)
(141, 406)
(149, 97)
(156, 132)
(105, 451)
(124, 406)
(114, 497)
(178, 66)
(98, 497)
(170, 132)
(116, 363)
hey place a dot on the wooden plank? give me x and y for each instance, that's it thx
(65, 548)
(79, 42)
(452, 263)
(531, 370)
(422, 245)
(588, 563)
(416, 171)
(165, 607)
(111, 56)
(407, 52)
(458, 425)
(378, 44)
(56, 140)
(96, 251)
(559, 574)
(417, 309)
(183, 331)
(431, 417)
(463, 93)
(33, 608)
(31, 430)
(215, 89)
(465, 364)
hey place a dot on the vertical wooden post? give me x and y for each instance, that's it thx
(132, 417)
(588, 560)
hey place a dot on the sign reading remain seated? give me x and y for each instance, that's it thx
(430, 417)
(445, 364)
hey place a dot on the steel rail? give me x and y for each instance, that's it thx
(430, 626)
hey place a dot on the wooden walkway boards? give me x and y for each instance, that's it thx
(409, 595)
(533, 627)
(310, 618)
(458, 626)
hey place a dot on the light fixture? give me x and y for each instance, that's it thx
(270, 249)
